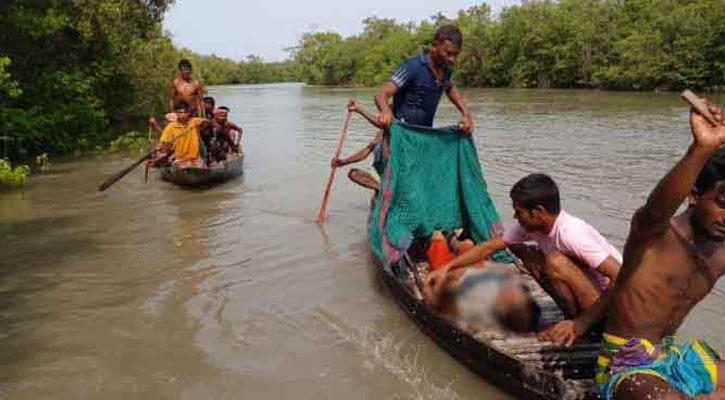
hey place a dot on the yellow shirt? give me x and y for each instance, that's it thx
(186, 147)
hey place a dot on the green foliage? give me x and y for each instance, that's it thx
(131, 141)
(8, 86)
(611, 44)
(12, 178)
(43, 163)
(73, 72)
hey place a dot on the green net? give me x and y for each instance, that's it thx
(432, 180)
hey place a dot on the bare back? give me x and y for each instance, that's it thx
(663, 278)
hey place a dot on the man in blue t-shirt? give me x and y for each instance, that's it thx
(416, 87)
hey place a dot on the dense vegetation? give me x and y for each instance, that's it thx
(74, 74)
(611, 44)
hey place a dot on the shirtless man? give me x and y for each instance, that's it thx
(364, 178)
(186, 88)
(670, 264)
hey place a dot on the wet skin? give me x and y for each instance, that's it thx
(186, 88)
(671, 263)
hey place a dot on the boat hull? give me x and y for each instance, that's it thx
(519, 364)
(201, 177)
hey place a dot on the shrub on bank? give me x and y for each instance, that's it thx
(12, 178)
(131, 141)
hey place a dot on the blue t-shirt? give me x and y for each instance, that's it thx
(418, 94)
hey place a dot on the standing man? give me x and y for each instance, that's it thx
(416, 87)
(671, 262)
(186, 88)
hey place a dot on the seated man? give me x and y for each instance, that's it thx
(183, 136)
(221, 132)
(671, 262)
(482, 295)
(367, 179)
(572, 262)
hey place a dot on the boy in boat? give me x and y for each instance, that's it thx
(209, 104)
(183, 136)
(671, 262)
(206, 133)
(417, 85)
(572, 262)
(368, 179)
(186, 88)
(481, 296)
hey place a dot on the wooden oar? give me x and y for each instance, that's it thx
(146, 167)
(115, 178)
(326, 195)
(699, 105)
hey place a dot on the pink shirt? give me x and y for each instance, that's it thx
(574, 238)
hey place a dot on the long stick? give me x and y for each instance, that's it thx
(699, 105)
(326, 196)
(146, 167)
(115, 178)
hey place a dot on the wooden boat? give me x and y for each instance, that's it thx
(200, 177)
(520, 364)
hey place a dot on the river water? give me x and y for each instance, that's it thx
(149, 291)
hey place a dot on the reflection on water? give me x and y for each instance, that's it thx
(148, 291)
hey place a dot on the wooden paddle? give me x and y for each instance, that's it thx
(699, 104)
(115, 178)
(146, 167)
(326, 195)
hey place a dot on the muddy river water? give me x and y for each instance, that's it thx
(149, 291)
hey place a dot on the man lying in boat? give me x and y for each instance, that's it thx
(572, 262)
(671, 262)
(481, 297)
(368, 179)
(182, 135)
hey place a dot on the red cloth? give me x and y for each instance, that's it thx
(438, 253)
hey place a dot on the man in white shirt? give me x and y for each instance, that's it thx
(570, 260)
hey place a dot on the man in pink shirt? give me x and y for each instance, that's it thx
(570, 259)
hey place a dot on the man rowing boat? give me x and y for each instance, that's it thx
(671, 262)
(184, 132)
(368, 179)
(417, 85)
